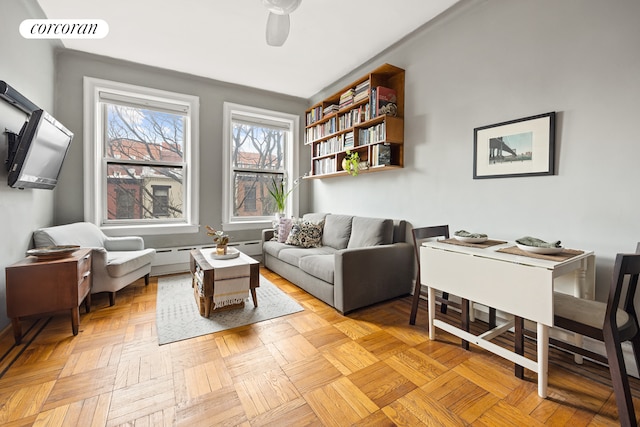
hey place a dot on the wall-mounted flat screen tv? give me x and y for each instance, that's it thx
(42, 145)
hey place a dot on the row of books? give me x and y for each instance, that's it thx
(314, 115)
(322, 166)
(346, 98)
(372, 134)
(326, 128)
(331, 145)
(383, 98)
(355, 116)
(330, 109)
(381, 155)
(362, 91)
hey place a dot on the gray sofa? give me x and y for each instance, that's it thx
(361, 261)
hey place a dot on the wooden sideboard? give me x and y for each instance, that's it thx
(36, 287)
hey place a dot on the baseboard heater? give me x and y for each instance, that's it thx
(176, 259)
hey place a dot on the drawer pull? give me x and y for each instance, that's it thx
(86, 257)
(85, 275)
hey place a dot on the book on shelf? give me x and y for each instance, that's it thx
(386, 101)
(330, 109)
(346, 98)
(348, 140)
(372, 134)
(381, 154)
(362, 91)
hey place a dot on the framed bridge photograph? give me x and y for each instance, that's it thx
(521, 147)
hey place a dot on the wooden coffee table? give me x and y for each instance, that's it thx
(203, 266)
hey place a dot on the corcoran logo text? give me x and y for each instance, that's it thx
(64, 29)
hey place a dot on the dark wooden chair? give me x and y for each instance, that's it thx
(610, 323)
(419, 235)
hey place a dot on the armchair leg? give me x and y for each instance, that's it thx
(146, 279)
(112, 299)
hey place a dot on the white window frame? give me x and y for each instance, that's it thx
(94, 163)
(248, 113)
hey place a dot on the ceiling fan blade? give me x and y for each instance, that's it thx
(277, 29)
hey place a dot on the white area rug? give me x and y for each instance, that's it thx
(178, 318)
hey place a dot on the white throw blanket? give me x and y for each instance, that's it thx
(230, 282)
(231, 291)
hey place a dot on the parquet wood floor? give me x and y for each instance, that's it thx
(315, 367)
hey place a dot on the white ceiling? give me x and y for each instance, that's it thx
(225, 40)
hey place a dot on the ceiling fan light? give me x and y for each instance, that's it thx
(277, 29)
(281, 7)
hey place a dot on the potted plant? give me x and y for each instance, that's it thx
(277, 191)
(220, 239)
(351, 162)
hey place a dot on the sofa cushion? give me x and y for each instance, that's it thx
(320, 266)
(370, 232)
(314, 217)
(273, 247)
(305, 234)
(292, 255)
(84, 234)
(282, 229)
(337, 229)
(120, 263)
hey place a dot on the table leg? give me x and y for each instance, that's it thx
(519, 344)
(580, 291)
(208, 302)
(465, 322)
(543, 359)
(431, 300)
(17, 330)
(75, 320)
(87, 302)
(254, 297)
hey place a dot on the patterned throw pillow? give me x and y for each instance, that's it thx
(305, 234)
(284, 228)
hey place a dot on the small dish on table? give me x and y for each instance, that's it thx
(231, 253)
(540, 250)
(466, 237)
(52, 252)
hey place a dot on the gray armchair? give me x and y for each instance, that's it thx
(117, 261)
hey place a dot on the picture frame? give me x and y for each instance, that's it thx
(521, 147)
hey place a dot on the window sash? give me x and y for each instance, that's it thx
(96, 93)
(273, 120)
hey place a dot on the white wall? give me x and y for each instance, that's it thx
(485, 62)
(27, 66)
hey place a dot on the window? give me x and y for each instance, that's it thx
(259, 146)
(140, 148)
(161, 200)
(125, 203)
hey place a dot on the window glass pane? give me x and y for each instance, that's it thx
(251, 194)
(144, 192)
(257, 147)
(142, 134)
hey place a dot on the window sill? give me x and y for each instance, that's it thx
(247, 225)
(147, 230)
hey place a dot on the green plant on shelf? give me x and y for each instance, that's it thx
(351, 162)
